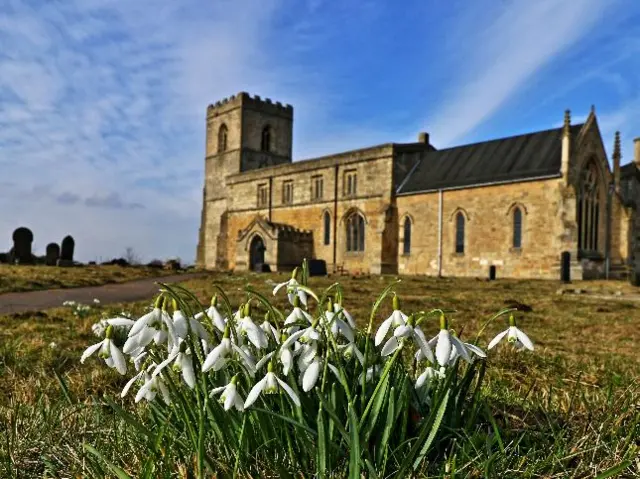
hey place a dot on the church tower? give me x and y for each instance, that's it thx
(243, 133)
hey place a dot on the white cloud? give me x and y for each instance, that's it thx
(495, 51)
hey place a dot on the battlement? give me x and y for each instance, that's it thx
(244, 99)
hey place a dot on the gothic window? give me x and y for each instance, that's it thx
(222, 138)
(317, 187)
(406, 243)
(350, 183)
(287, 192)
(265, 144)
(460, 232)
(355, 232)
(517, 228)
(589, 209)
(263, 195)
(326, 219)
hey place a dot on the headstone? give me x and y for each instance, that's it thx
(317, 267)
(53, 253)
(22, 240)
(64, 262)
(67, 247)
(565, 267)
(492, 273)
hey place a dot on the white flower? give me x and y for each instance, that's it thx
(230, 396)
(408, 330)
(397, 318)
(217, 358)
(337, 325)
(181, 357)
(216, 317)
(108, 351)
(515, 335)
(268, 329)
(471, 348)
(350, 350)
(96, 301)
(292, 289)
(53, 345)
(270, 384)
(310, 375)
(428, 376)
(156, 326)
(151, 387)
(181, 326)
(444, 342)
(298, 315)
(338, 309)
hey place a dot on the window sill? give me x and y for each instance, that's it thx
(354, 253)
(458, 255)
(514, 250)
(406, 254)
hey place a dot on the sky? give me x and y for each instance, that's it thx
(103, 102)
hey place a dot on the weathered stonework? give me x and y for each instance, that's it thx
(244, 196)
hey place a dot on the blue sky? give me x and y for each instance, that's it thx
(102, 102)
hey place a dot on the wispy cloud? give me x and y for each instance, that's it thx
(495, 51)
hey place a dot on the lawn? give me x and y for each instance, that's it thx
(571, 408)
(15, 278)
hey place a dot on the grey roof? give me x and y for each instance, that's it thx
(506, 159)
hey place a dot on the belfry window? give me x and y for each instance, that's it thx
(355, 232)
(222, 138)
(589, 209)
(265, 144)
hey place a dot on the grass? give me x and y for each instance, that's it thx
(14, 278)
(571, 409)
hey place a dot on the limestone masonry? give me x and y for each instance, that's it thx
(509, 207)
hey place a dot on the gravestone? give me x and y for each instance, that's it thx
(565, 267)
(22, 240)
(317, 267)
(66, 250)
(53, 253)
(492, 273)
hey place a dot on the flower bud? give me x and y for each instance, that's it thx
(396, 303)
(247, 309)
(444, 324)
(109, 332)
(214, 301)
(330, 304)
(296, 301)
(294, 273)
(512, 320)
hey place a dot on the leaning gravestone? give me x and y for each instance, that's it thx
(66, 251)
(22, 240)
(53, 253)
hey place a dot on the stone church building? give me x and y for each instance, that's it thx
(509, 207)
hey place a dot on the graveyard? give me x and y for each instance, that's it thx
(569, 407)
(21, 270)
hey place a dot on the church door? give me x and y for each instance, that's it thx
(256, 254)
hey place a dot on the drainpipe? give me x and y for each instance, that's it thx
(439, 233)
(335, 216)
(607, 251)
(270, 195)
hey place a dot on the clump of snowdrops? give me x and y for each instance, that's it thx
(80, 310)
(251, 390)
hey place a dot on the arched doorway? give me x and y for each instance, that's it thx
(256, 253)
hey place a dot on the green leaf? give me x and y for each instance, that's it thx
(386, 433)
(434, 429)
(354, 445)
(614, 471)
(321, 462)
(119, 472)
(379, 401)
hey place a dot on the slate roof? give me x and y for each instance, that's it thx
(506, 159)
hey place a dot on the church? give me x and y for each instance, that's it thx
(536, 205)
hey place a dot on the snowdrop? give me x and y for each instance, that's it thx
(397, 318)
(181, 326)
(108, 351)
(181, 357)
(150, 389)
(230, 396)
(339, 309)
(350, 350)
(514, 335)
(297, 315)
(247, 328)
(270, 384)
(444, 342)
(292, 288)
(311, 374)
(408, 330)
(337, 325)
(214, 315)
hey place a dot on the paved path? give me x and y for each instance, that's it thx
(130, 291)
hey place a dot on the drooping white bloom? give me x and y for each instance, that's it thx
(270, 330)
(150, 388)
(293, 289)
(156, 326)
(247, 328)
(396, 319)
(182, 325)
(214, 315)
(270, 384)
(471, 348)
(297, 315)
(180, 355)
(230, 396)
(284, 355)
(310, 375)
(410, 331)
(444, 342)
(514, 335)
(339, 309)
(428, 376)
(350, 350)
(108, 351)
(217, 358)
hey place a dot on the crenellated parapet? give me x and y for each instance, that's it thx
(244, 99)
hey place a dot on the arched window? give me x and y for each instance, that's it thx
(355, 232)
(460, 232)
(222, 138)
(406, 244)
(265, 145)
(326, 218)
(588, 210)
(517, 228)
